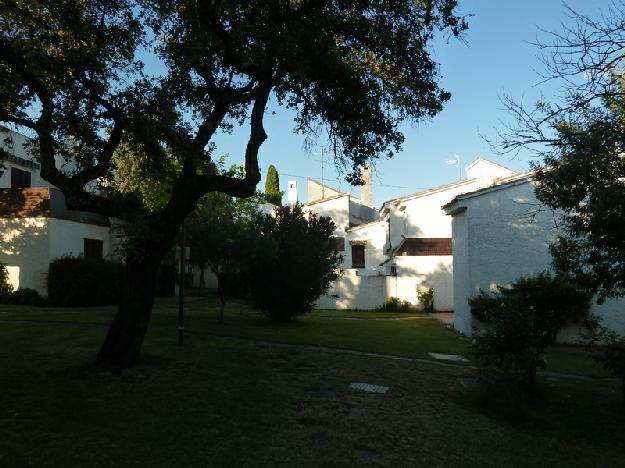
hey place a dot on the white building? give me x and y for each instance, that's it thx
(399, 249)
(35, 224)
(500, 233)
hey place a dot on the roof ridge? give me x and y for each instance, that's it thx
(457, 183)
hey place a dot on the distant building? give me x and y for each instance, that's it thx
(35, 224)
(500, 233)
(399, 249)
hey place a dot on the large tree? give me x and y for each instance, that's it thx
(83, 76)
(581, 139)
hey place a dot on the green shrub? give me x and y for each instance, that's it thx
(25, 296)
(292, 261)
(425, 297)
(394, 304)
(74, 282)
(608, 348)
(5, 288)
(522, 320)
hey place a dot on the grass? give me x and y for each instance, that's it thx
(223, 402)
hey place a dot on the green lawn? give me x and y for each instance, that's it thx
(248, 403)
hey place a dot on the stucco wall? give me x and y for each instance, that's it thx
(361, 214)
(486, 171)
(423, 216)
(25, 248)
(352, 291)
(461, 274)
(375, 237)
(416, 273)
(210, 278)
(17, 145)
(337, 209)
(67, 238)
(505, 234)
(316, 191)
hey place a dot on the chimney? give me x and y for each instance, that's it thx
(366, 190)
(292, 192)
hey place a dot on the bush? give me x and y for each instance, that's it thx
(74, 282)
(522, 320)
(608, 348)
(292, 261)
(25, 296)
(394, 304)
(425, 297)
(5, 288)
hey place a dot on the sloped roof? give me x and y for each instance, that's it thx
(321, 200)
(423, 193)
(364, 225)
(492, 163)
(498, 185)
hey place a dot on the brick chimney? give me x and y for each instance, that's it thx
(366, 190)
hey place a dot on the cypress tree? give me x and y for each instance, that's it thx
(272, 186)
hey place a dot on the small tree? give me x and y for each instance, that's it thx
(293, 262)
(522, 320)
(608, 348)
(272, 186)
(5, 287)
(218, 235)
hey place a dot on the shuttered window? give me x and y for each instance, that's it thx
(19, 178)
(93, 248)
(358, 256)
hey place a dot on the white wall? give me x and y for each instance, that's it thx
(25, 248)
(67, 238)
(17, 144)
(210, 278)
(337, 209)
(352, 291)
(504, 234)
(424, 272)
(375, 237)
(317, 191)
(486, 171)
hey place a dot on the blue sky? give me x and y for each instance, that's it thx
(497, 58)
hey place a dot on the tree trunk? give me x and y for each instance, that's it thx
(122, 345)
(223, 295)
(202, 279)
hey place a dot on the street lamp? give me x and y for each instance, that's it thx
(181, 288)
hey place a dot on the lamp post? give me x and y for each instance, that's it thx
(181, 288)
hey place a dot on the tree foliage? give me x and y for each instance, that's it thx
(5, 287)
(272, 186)
(165, 76)
(581, 139)
(521, 321)
(293, 261)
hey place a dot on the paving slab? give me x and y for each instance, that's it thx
(448, 357)
(367, 387)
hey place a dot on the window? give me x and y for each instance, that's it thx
(93, 248)
(358, 255)
(19, 178)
